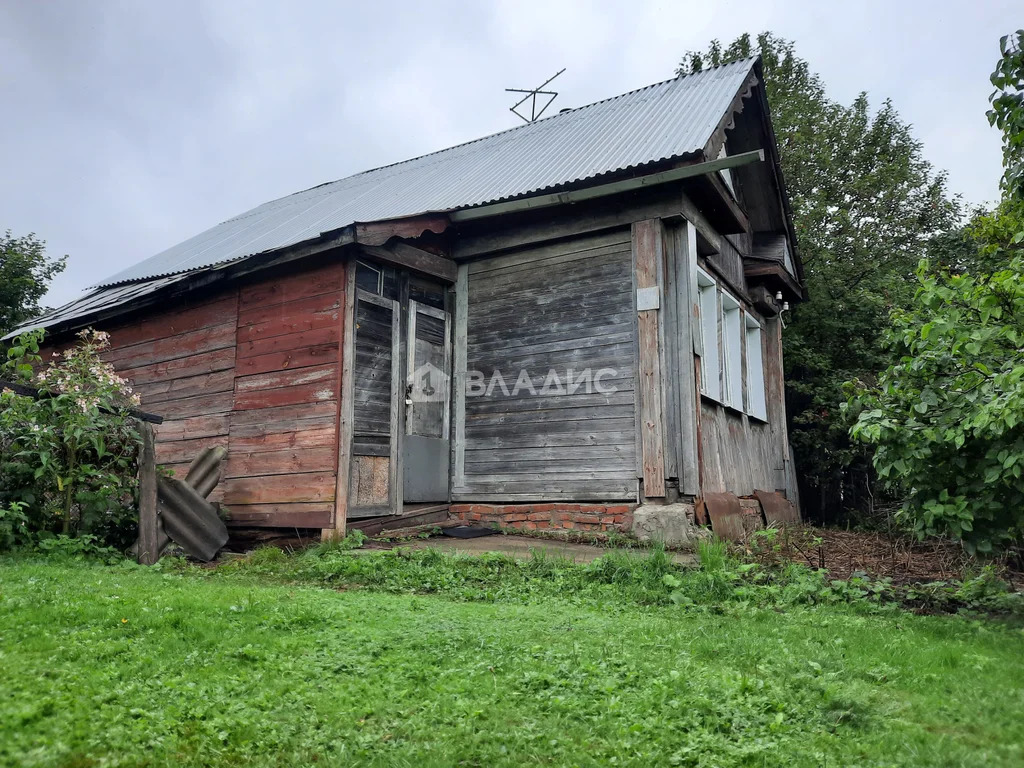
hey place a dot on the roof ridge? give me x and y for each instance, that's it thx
(511, 130)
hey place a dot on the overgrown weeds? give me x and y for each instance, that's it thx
(649, 578)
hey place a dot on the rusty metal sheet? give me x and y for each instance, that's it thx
(700, 512)
(726, 516)
(778, 510)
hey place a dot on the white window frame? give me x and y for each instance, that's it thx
(707, 294)
(732, 352)
(757, 405)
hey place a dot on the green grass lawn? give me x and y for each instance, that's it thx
(119, 665)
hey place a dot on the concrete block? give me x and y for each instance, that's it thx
(670, 523)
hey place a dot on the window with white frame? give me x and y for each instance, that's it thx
(732, 353)
(707, 294)
(756, 405)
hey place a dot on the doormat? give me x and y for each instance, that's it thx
(467, 532)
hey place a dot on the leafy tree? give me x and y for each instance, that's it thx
(947, 419)
(867, 207)
(1007, 111)
(25, 275)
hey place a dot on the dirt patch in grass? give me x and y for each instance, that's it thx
(902, 559)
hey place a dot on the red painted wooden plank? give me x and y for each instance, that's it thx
(323, 305)
(281, 426)
(188, 428)
(288, 461)
(174, 389)
(286, 378)
(270, 398)
(290, 341)
(200, 405)
(327, 279)
(317, 436)
(316, 515)
(185, 451)
(287, 325)
(206, 362)
(280, 489)
(287, 414)
(298, 358)
(180, 319)
(171, 347)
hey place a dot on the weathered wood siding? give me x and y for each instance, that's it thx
(282, 447)
(741, 454)
(560, 307)
(255, 369)
(181, 362)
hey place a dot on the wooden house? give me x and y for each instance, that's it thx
(545, 327)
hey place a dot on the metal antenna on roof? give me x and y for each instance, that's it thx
(531, 96)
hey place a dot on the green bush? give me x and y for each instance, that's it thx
(948, 419)
(68, 459)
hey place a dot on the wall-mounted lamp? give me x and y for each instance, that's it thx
(785, 306)
(778, 295)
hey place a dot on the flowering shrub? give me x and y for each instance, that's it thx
(68, 458)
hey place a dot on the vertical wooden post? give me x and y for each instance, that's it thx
(687, 337)
(648, 246)
(396, 476)
(149, 544)
(458, 380)
(346, 361)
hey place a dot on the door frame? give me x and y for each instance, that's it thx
(416, 308)
(397, 411)
(399, 374)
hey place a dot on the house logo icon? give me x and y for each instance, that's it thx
(428, 384)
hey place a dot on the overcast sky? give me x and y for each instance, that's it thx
(129, 126)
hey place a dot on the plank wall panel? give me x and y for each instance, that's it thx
(328, 280)
(181, 363)
(254, 369)
(282, 444)
(566, 305)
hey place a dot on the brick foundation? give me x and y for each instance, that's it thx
(554, 516)
(753, 518)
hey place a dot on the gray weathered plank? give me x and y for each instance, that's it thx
(648, 244)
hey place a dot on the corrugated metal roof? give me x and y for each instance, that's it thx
(660, 122)
(95, 301)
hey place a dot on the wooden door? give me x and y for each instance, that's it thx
(377, 397)
(425, 450)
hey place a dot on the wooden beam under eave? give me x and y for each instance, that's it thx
(406, 256)
(379, 232)
(717, 204)
(762, 271)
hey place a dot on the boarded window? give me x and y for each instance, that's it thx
(756, 404)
